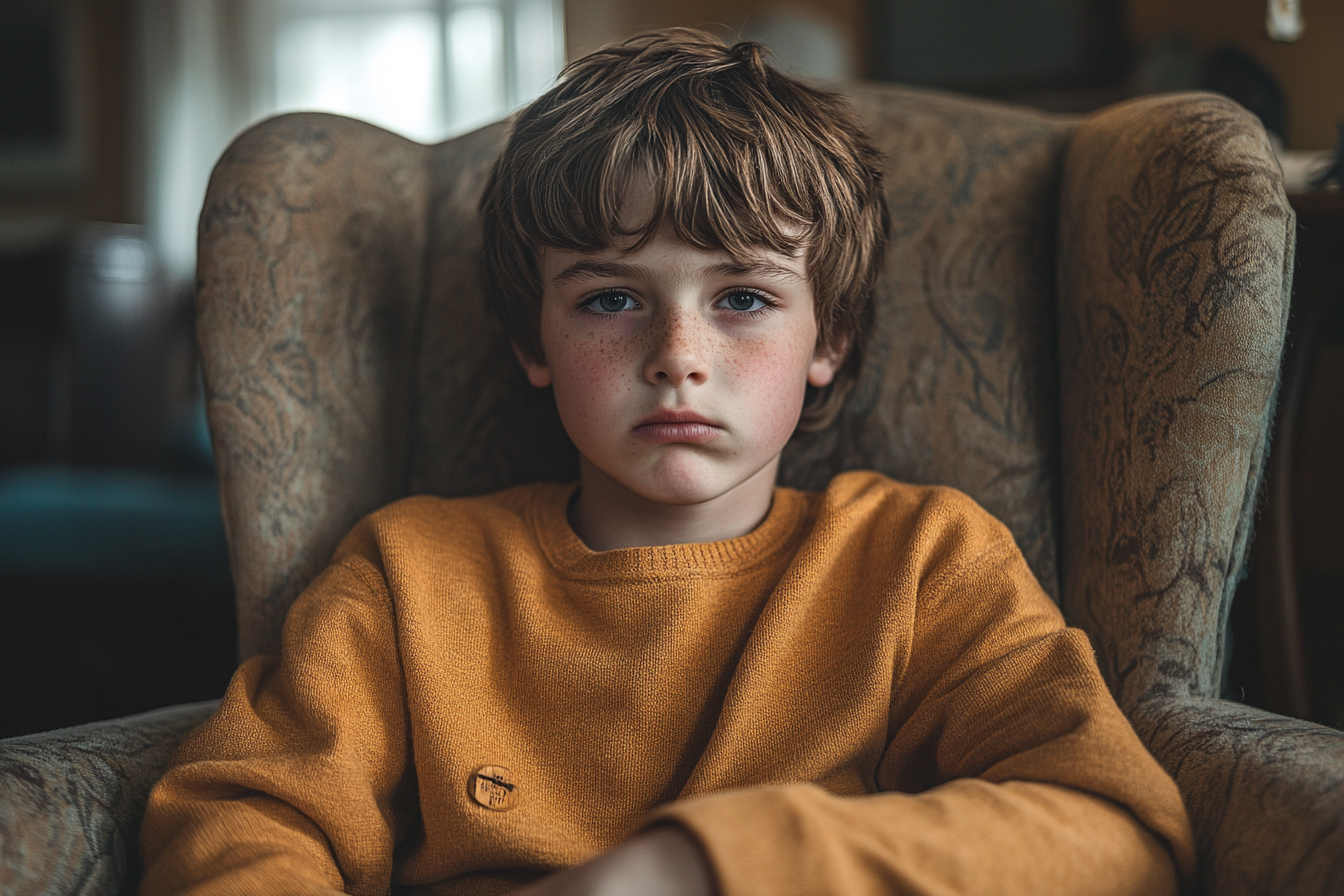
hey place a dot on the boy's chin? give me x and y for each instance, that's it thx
(682, 495)
(693, 481)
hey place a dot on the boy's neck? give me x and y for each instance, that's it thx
(607, 516)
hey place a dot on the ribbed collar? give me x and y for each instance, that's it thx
(781, 529)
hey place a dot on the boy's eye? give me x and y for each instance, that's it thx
(611, 302)
(742, 301)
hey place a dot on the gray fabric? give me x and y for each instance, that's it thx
(71, 801)
(479, 426)
(308, 294)
(1265, 793)
(1175, 272)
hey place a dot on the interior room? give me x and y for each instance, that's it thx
(117, 594)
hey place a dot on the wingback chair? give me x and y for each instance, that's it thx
(1079, 324)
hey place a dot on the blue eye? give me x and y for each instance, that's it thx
(611, 302)
(743, 301)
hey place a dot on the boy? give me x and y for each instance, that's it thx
(675, 677)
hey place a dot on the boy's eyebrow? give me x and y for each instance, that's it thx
(759, 267)
(580, 269)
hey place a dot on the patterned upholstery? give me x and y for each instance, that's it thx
(71, 800)
(1175, 270)
(1079, 323)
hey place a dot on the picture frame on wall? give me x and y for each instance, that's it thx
(43, 132)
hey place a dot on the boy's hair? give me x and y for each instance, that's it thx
(740, 157)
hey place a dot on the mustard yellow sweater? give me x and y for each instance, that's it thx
(867, 694)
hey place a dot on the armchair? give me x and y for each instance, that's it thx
(1079, 323)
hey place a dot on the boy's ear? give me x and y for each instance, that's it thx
(538, 374)
(826, 362)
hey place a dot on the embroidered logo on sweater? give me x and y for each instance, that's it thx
(494, 788)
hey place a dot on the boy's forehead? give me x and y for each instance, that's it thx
(638, 209)
(639, 201)
(639, 205)
(670, 213)
(665, 251)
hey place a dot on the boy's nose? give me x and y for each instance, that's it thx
(677, 355)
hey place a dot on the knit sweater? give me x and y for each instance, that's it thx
(868, 693)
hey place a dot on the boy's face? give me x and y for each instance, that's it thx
(679, 373)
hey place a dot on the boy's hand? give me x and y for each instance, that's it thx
(664, 861)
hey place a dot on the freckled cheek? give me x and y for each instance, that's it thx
(773, 382)
(591, 381)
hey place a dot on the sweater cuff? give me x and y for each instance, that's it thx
(965, 836)
(755, 839)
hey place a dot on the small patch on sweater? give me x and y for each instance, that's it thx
(494, 788)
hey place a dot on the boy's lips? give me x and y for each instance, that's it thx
(665, 426)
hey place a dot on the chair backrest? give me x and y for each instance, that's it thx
(349, 358)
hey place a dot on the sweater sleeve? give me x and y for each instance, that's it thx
(298, 783)
(1008, 769)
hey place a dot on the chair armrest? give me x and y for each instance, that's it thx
(71, 801)
(1265, 793)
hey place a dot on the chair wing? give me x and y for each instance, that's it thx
(1176, 249)
(309, 289)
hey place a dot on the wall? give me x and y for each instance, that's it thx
(591, 23)
(1311, 70)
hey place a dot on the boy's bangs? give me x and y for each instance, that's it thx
(713, 190)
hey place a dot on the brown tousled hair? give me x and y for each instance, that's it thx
(740, 157)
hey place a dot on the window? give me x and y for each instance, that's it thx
(427, 69)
